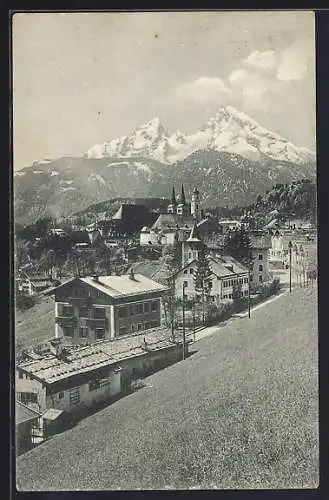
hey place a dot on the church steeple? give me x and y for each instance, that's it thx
(173, 196)
(172, 207)
(182, 197)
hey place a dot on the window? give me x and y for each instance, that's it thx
(132, 327)
(260, 268)
(224, 296)
(240, 281)
(185, 284)
(260, 256)
(230, 296)
(154, 306)
(251, 278)
(122, 312)
(65, 310)
(83, 332)
(190, 255)
(139, 326)
(146, 307)
(94, 384)
(100, 333)
(99, 312)
(185, 271)
(122, 330)
(28, 397)
(260, 278)
(84, 312)
(246, 293)
(191, 270)
(131, 310)
(210, 284)
(60, 395)
(139, 309)
(147, 326)
(246, 280)
(75, 396)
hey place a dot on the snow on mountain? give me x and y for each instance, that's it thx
(229, 130)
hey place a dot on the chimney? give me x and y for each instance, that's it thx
(96, 278)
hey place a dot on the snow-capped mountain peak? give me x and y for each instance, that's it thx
(228, 130)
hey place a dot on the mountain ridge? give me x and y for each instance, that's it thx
(229, 130)
(231, 160)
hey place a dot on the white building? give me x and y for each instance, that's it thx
(226, 273)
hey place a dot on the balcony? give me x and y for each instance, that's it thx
(96, 323)
(66, 320)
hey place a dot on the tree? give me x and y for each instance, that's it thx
(237, 297)
(238, 245)
(202, 278)
(173, 256)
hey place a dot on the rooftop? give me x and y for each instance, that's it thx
(50, 368)
(165, 221)
(119, 286)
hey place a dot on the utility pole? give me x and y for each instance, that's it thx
(184, 336)
(249, 266)
(290, 248)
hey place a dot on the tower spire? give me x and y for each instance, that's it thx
(173, 196)
(182, 198)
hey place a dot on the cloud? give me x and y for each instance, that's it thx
(294, 62)
(263, 60)
(204, 89)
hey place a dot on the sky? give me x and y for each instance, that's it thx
(81, 79)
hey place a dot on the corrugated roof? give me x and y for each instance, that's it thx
(51, 369)
(24, 413)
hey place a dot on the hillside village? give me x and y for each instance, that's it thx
(102, 306)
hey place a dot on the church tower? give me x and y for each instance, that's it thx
(191, 246)
(172, 207)
(195, 204)
(182, 207)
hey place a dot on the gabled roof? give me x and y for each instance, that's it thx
(218, 268)
(118, 286)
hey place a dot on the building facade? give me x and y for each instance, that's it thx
(226, 273)
(106, 307)
(260, 245)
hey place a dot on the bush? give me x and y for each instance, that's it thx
(268, 289)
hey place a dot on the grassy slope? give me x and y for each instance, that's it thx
(240, 413)
(35, 325)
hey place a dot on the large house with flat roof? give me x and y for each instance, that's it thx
(106, 307)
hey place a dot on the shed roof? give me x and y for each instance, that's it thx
(24, 414)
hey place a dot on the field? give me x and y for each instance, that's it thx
(35, 325)
(242, 412)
